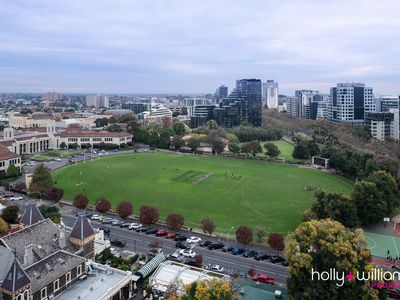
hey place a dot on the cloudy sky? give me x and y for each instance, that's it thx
(192, 46)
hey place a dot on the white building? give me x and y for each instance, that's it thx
(91, 138)
(380, 124)
(156, 113)
(97, 101)
(349, 103)
(50, 97)
(17, 120)
(270, 93)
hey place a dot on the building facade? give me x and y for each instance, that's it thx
(97, 101)
(17, 120)
(222, 92)
(380, 124)
(89, 139)
(270, 94)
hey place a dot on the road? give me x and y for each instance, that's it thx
(138, 242)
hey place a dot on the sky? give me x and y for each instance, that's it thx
(192, 46)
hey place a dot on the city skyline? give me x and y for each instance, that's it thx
(192, 47)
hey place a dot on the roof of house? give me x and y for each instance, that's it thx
(86, 133)
(82, 229)
(41, 116)
(6, 154)
(31, 215)
(44, 237)
(12, 275)
(52, 267)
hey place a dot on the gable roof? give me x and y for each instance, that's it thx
(14, 276)
(82, 229)
(31, 215)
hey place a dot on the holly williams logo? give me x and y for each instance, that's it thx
(376, 274)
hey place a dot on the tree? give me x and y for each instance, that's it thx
(198, 259)
(272, 150)
(179, 128)
(371, 208)
(12, 171)
(148, 215)
(51, 212)
(276, 241)
(164, 140)
(102, 205)
(337, 207)
(10, 214)
(126, 118)
(81, 201)
(252, 147)
(19, 186)
(211, 124)
(216, 139)
(42, 181)
(208, 226)
(244, 235)
(210, 289)
(114, 128)
(124, 209)
(177, 142)
(234, 148)
(175, 222)
(3, 226)
(193, 144)
(63, 145)
(318, 246)
(387, 187)
(260, 233)
(55, 194)
(301, 151)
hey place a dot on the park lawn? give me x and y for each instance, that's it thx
(285, 148)
(267, 194)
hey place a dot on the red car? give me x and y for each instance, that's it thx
(264, 279)
(170, 235)
(161, 232)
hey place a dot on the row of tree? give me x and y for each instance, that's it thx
(254, 147)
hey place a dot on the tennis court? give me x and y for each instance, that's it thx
(379, 244)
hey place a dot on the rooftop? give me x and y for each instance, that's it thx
(84, 133)
(6, 154)
(31, 215)
(99, 285)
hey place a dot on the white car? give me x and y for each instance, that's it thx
(95, 217)
(187, 253)
(217, 268)
(16, 198)
(57, 159)
(134, 226)
(193, 240)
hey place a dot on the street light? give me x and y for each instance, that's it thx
(227, 236)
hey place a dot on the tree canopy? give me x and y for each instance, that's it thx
(42, 180)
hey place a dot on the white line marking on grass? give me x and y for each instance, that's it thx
(249, 205)
(394, 242)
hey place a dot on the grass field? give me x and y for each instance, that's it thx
(267, 194)
(285, 148)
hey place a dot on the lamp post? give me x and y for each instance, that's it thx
(227, 236)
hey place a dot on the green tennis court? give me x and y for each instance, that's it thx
(379, 244)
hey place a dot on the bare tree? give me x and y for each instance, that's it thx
(208, 226)
(244, 235)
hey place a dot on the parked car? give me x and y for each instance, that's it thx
(134, 226)
(57, 159)
(217, 268)
(175, 256)
(83, 213)
(237, 251)
(161, 232)
(106, 229)
(263, 278)
(95, 217)
(191, 262)
(227, 249)
(262, 256)
(154, 252)
(125, 225)
(16, 198)
(216, 245)
(182, 245)
(193, 240)
(249, 253)
(205, 243)
(107, 221)
(180, 237)
(277, 259)
(187, 253)
(116, 222)
(118, 243)
(285, 263)
(170, 235)
(142, 229)
(152, 230)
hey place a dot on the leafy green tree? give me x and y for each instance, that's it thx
(337, 207)
(252, 147)
(387, 189)
(272, 150)
(320, 245)
(126, 118)
(51, 212)
(313, 148)
(371, 208)
(193, 144)
(301, 151)
(63, 145)
(3, 226)
(10, 214)
(42, 181)
(164, 140)
(234, 148)
(12, 171)
(179, 128)
(211, 124)
(217, 139)
(177, 142)
(114, 128)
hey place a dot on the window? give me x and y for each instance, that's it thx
(68, 277)
(85, 139)
(97, 139)
(56, 285)
(79, 270)
(108, 139)
(43, 293)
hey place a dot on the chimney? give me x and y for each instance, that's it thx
(62, 241)
(28, 255)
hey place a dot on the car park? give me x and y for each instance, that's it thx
(161, 232)
(134, 226)
(205, 244)
(155, 251)
(216, 245)
(170, 235)
(193, 240)
(125, 225)
(107, 221)
(116, 222)
(142, 229)
(263, 278)
(277, 259)
(84, 214)
(227, 249)
(182, 245)
(118, 243)
(191, 262)
(16, 198)
(152, 231)
(249, 253)
(262, 256)
(95, 217)
(180, 237)
(176, 256)
(237, 251)
(105, 229)
(187, 253)
(217, 268)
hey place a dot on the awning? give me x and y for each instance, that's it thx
(151, 265)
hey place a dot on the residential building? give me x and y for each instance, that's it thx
(293, 104)
(270, 94)
(349, 103)
(156, 113)
(380, 124)
(201, 114)
(89, 139)
(50, 97)
(137, 108)
(396, 123)
(97, 101)
(17, 120)
(318, 107)
(385, 103)
(222, 92)
(305, 98)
